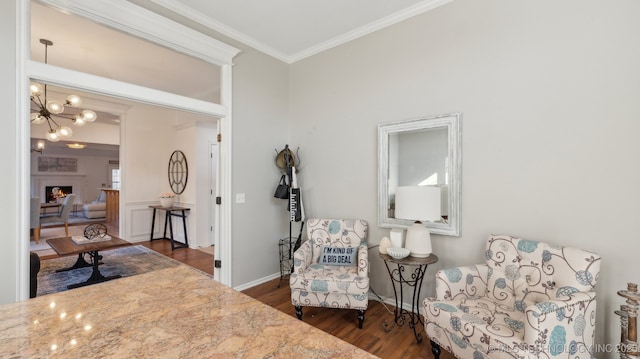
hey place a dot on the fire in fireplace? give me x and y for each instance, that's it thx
(52, 193)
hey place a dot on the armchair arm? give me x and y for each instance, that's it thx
(363, 260)
(565, 324)
(468, 281)
(302, 257)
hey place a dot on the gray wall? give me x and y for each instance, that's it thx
(260, 115)
(549, 94)
(9, 216)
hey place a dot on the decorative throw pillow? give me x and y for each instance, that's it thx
(338, 256)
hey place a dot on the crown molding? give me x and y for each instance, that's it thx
(140, 22)
(215, 25)
(362, 31)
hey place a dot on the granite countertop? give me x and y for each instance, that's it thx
(174, 313)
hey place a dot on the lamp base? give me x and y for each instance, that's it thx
(418, 240)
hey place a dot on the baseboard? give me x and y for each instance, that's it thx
(258, 282)
(391, 301)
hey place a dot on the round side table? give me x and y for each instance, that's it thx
(400, 277)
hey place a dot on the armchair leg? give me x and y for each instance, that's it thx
(298, 312)
(360, 318)
(435, 349)
(66, 228)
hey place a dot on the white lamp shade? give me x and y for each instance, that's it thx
(78, 120)
(54, 107)
(52, 136)
(418, 203)
(35, 88)
(36, 118)
(89, 116)
(64, 132)
(74, 100)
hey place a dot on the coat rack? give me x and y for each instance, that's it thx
(286, 161)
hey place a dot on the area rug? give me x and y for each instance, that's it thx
(126, 261)
(43, 248)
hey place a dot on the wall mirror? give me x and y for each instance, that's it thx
(421, 152)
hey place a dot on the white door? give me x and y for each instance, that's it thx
(214, 192)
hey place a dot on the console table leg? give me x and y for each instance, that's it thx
(153, 224)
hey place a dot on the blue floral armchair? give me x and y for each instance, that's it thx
(333, 281)
(530, 300)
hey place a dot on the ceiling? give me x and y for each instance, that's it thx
(82, 45)
(291, 30)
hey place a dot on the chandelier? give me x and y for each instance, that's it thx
(45, 110)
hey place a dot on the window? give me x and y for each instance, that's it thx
(115, 178)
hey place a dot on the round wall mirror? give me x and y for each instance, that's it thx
(178, 172)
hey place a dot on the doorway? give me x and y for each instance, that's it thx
(173, 36)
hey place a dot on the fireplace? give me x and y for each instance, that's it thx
(41, 186)
(60, 193)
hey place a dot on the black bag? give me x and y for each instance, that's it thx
(282, 191)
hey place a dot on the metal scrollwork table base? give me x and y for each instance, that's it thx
(400, 278)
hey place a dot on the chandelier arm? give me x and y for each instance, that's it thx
(67, 116)
(49, 120)
(39, 102)
(49, 124)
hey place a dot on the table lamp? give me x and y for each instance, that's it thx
(418, 203)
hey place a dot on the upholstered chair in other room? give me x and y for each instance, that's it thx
(97, 208)
(331, 268)
(530, 300)
(63, 216)
(35, 218)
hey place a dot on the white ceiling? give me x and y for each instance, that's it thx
(82, 45)
(291, 30)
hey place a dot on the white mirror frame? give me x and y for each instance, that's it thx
(452, 123)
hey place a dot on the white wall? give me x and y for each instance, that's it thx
(10, 211)
(151, 135)
(260, 123)
(93, 165)
(549, 95)
(147, 139)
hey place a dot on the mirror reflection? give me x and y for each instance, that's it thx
(421, 152)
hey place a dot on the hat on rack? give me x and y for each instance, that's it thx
(281, 160)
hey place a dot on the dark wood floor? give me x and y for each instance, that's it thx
(399, 342)
(193, 257)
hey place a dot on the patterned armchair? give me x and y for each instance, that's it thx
(530, 300)
(331, 268)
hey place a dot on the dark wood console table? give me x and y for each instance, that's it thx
(174, 211)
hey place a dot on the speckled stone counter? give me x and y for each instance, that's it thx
(171, 313)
